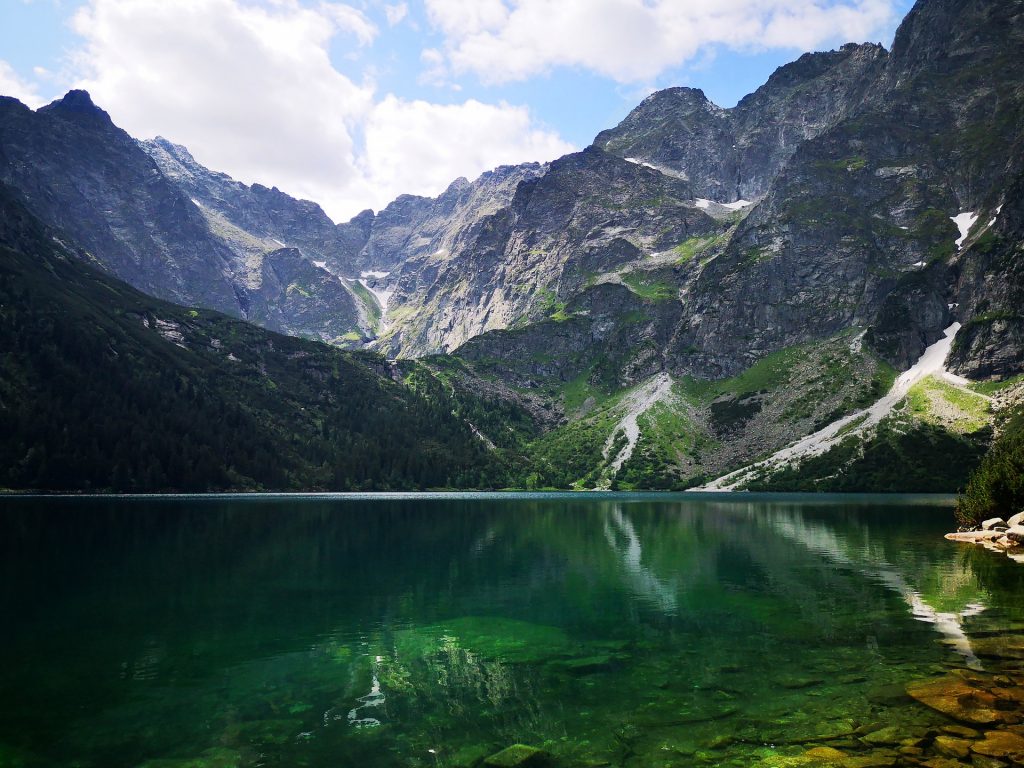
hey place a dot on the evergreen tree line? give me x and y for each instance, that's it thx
(96, 396)
(996, 488)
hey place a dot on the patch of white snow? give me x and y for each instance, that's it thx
(700, 202)
(638, 161)
(374, 274)
(382, 296)
(964, 222)
(739, 204)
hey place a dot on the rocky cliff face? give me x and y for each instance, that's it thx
(146, 222)
(856, 229)
(84, 176)
(589, 216)
(733, 154)
(373, 255)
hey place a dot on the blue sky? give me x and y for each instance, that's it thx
(352, 103)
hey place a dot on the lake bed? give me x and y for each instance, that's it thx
(442, 629)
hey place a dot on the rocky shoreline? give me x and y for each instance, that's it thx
(997, 535)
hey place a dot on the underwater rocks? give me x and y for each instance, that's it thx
(518, 756)
(966, 701)
(992, 701)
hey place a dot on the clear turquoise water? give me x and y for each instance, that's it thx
(435, 631)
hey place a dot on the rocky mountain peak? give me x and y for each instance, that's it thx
(178, 151)
(77, 105)
(817, 64)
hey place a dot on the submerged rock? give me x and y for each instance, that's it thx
(952, 746)
(587, 664)
(956, 697)
(1003, 745)
(975, 537)
(518, 756)
(217, 757)
(889, 735)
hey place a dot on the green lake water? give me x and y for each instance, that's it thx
(377, 630)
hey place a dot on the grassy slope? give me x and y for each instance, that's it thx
(704, 428)
(102, 387)
(930, 443)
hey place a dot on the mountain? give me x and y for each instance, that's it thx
(87, 178)
(734, 154)
(689, 295)
(105, 388)
(888, 214)
(377, 258)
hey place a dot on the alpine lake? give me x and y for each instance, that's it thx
(505, 630)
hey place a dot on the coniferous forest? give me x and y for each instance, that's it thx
(105, 388)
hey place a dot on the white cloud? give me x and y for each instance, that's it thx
(395, 13)
(351, 20)
(635, 40)
(12, 85)
(459, 18)
(249, 87)
(250, 90)
(413, 146)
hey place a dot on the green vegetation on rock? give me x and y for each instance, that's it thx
(996, 488)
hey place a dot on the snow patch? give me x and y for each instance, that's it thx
(638, 161)
(739, 204)
(964, 222)
(382, 297)
(279, 242)
(700, 202)
(374, 274)
(919, 264)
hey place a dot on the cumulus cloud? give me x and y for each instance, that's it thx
(250, 88)
(635, 40)
(12, 85)
(412, 146)
(395, 13)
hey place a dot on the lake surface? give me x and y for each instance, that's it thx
(660, 630)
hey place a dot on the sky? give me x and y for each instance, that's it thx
(352, 103)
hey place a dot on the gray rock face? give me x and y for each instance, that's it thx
(991, 291)
(137, 218)
(855, 230)
(84, 176)
(731, 154)
(589, 214)
(262, 216)
(394, 244)
(861, 158)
